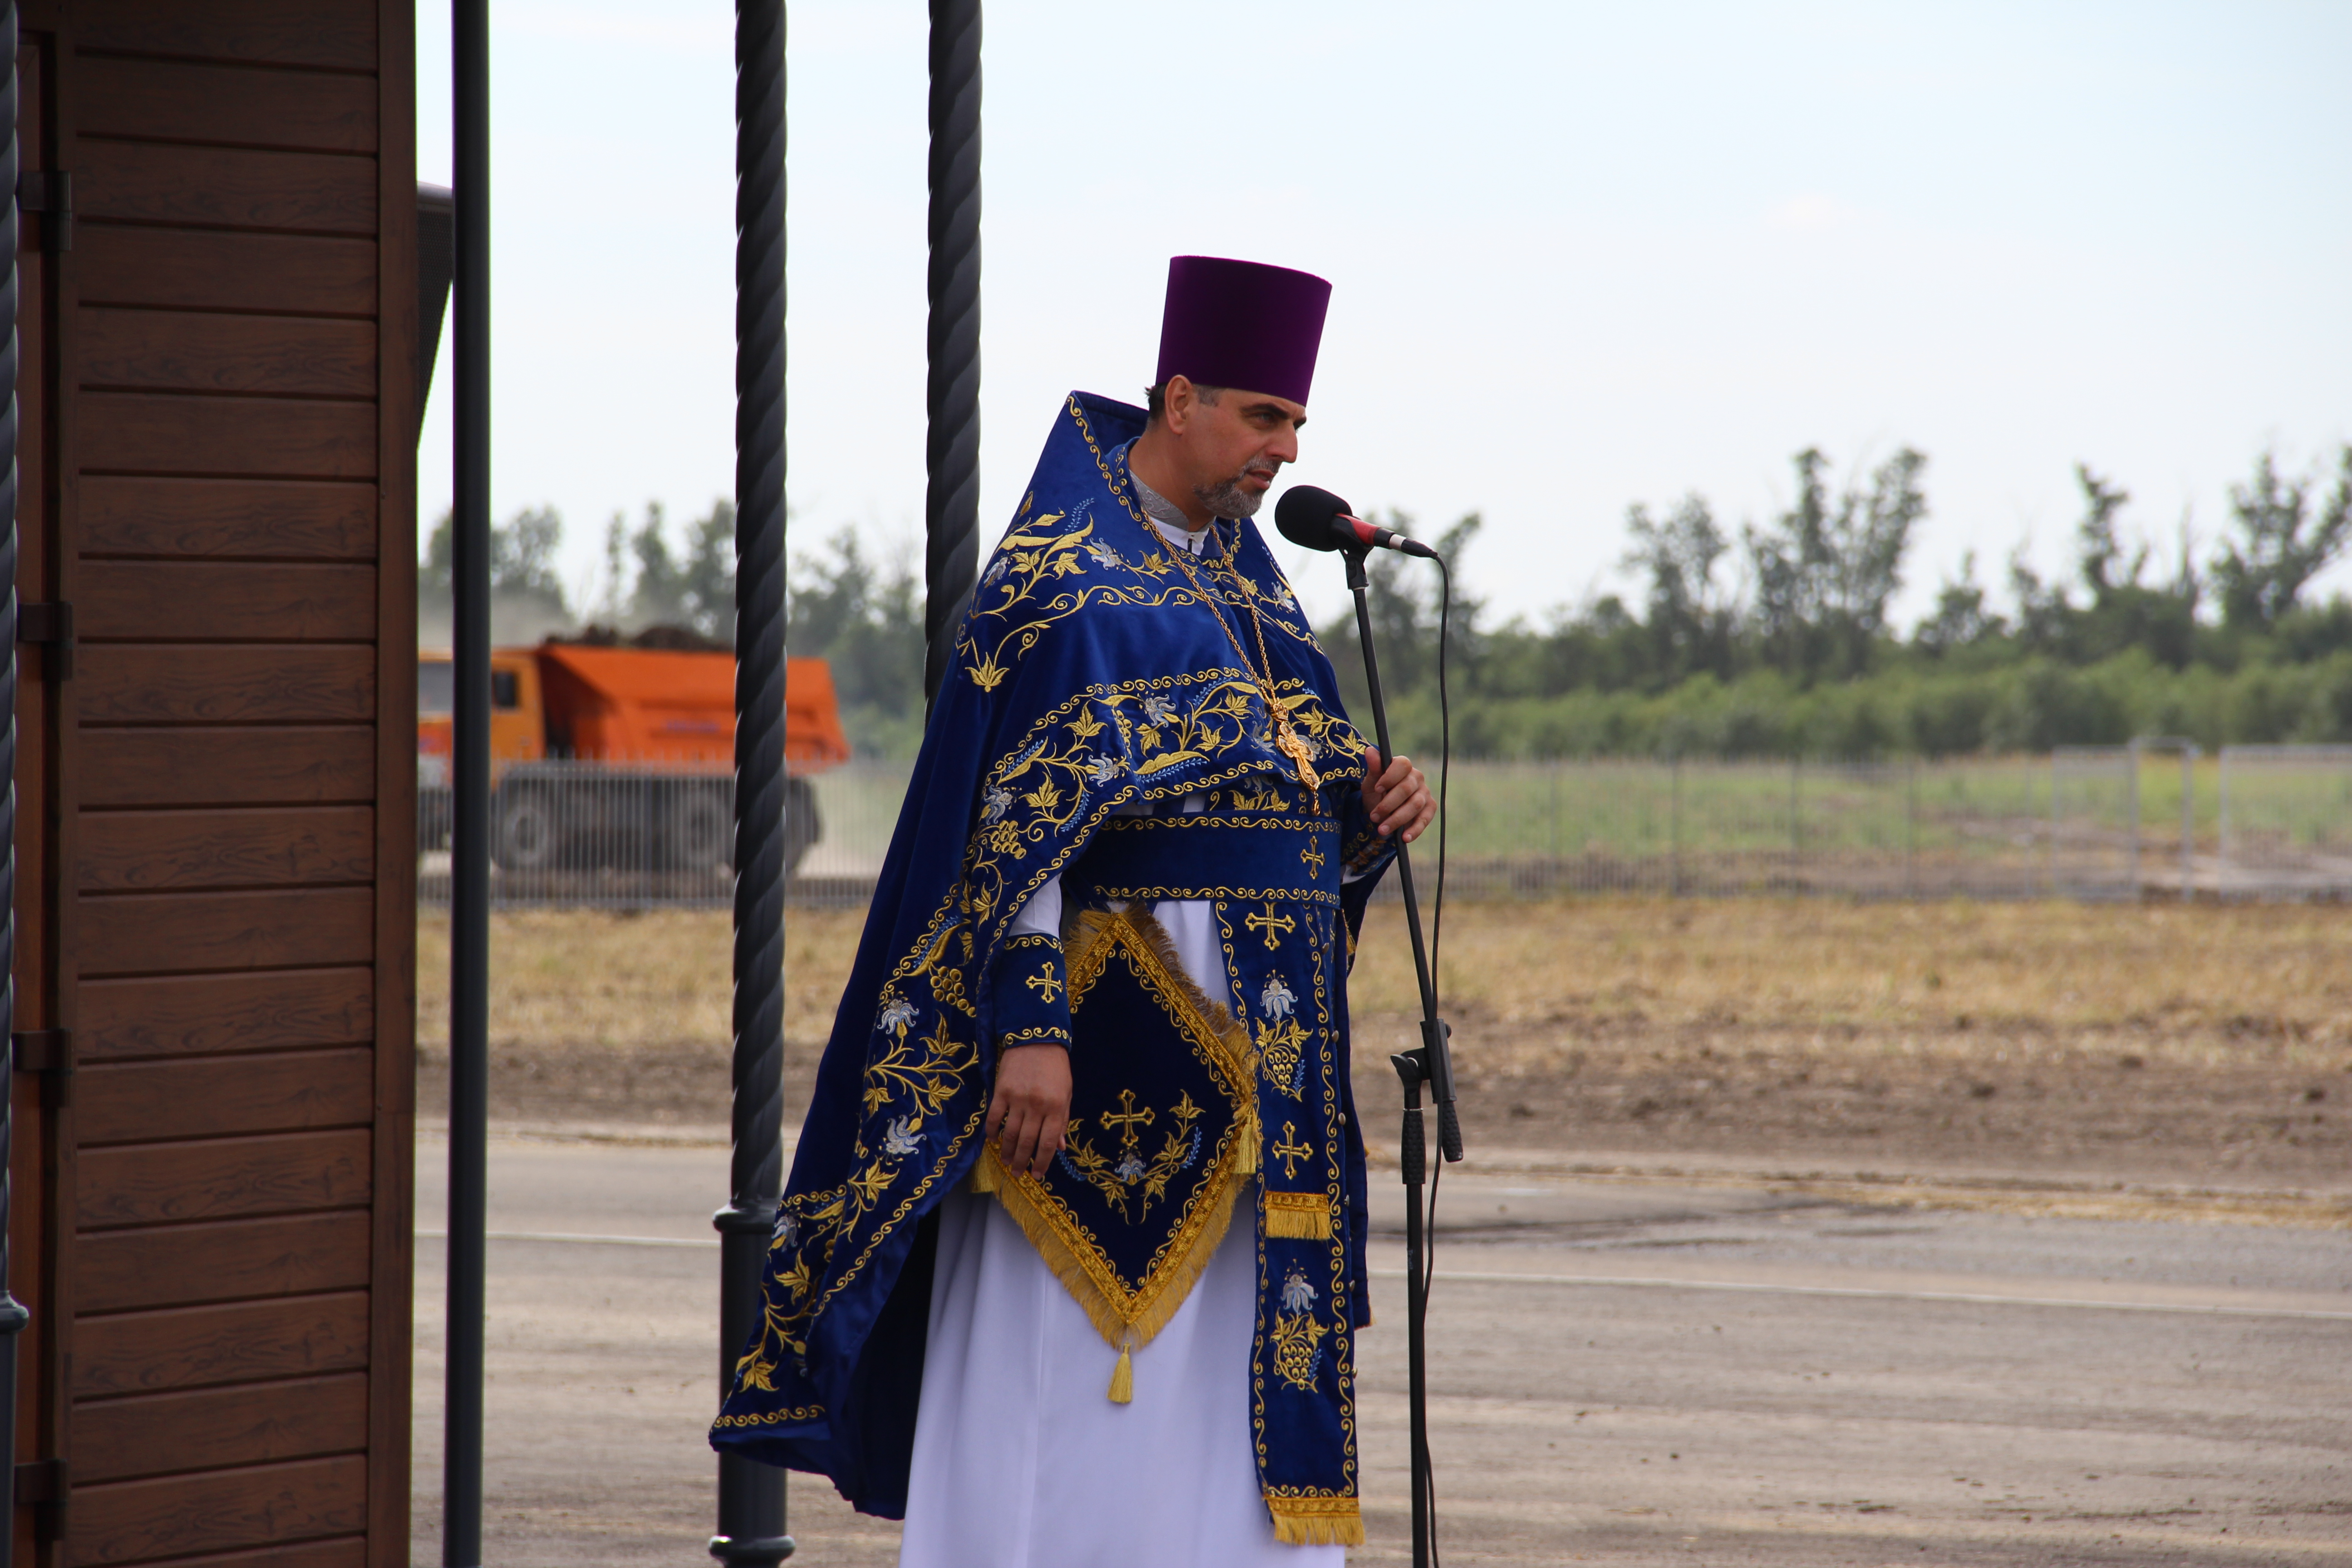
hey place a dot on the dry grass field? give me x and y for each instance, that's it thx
(2163, 1043)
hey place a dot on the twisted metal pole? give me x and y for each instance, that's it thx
(469, 778)
(951, 448)
(12, 1315)
(750, 1494)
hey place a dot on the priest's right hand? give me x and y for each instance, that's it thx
(1031, 1111)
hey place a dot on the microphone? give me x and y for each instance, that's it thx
(1318, 519)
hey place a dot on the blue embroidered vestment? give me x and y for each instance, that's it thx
(1092, 680)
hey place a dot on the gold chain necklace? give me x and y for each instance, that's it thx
(1287, 740)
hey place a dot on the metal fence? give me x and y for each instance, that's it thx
(2284, 821)
(2153, 818)
(624, 836)
(1713, 828)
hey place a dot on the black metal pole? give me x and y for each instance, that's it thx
(12, 1315)
(1432, 1064)
(750, 1494)
(951, 447)
(469, 843)
(1413, 1154)
(1439, 1057)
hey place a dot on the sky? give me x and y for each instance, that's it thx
(1582, 255)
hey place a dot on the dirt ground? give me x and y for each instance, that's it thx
(2056, 1045)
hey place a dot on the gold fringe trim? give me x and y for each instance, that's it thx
(1317, 1521)
(1097, 1291)
(1131, 1319)
(1298, 1217)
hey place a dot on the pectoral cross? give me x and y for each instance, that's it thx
(1269, 924)
(1292, 744)
(1290, 1150)
(1044, 985)
(1126, 1119)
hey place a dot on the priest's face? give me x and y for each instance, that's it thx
(1231, 449)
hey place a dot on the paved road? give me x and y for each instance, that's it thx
(1623, 1371)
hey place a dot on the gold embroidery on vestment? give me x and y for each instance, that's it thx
(1317, 1519)
(1298, 1217)
(1123, 1315)
(1290, 1150)
(1297, 1345)
(1269, 923)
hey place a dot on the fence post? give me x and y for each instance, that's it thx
(2221, 828)
(2135, 820)
(1911, 832)
(2053, 824)
(1554, 771)
(2187, 822)
(1796, 824)
(1674, 831)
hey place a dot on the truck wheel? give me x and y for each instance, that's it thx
(700, 832)
(525, 836)
(801, 826)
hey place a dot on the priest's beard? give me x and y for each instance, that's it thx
(1230, 497)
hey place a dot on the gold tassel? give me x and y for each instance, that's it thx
(984, 1171)
(1122, 1379)
(1298, 1217)
(1245, 1145)
(1317, 1521)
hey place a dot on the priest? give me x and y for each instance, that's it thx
(1070, 1266)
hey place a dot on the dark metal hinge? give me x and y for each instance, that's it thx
(50, 193)
(41, 1481)
(51, 625)
(42, 1485)
(50, 1053)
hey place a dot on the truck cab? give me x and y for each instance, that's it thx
(517, 713)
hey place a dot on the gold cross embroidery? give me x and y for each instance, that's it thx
(1126, 1119)
(1044, 985)
(1269, 924)
(1312, 855)
(1290, 1150)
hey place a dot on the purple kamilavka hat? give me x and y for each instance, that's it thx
(1242, 324)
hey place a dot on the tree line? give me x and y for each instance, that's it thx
(1772, 639)
(647, 579)
(1776, 639)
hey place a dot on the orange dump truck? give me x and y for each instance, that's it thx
(619, 758)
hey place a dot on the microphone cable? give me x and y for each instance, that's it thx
(1437, 981)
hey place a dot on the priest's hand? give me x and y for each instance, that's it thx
(1031, 1110)
(1397, 798)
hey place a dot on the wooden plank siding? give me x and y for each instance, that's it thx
(41, 1151)
(207, 1347)
(234, 867)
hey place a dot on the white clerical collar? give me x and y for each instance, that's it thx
(1168, 518)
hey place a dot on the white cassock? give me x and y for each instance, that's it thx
(1021, 1459)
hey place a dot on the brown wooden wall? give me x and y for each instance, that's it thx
(225, 784)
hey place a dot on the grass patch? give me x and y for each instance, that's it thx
(597, 980)
(2210, 981)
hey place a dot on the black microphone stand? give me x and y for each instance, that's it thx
(1431, 1065)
